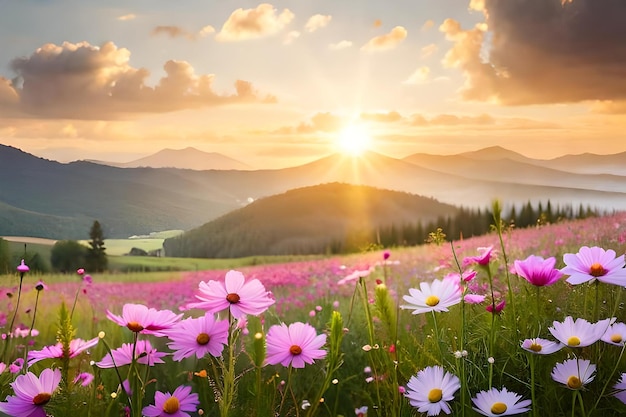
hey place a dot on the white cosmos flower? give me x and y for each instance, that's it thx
(437, 296)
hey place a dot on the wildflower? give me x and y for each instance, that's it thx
(594, 263)
(77, 346)
(294, 345)
(3, 367)
(430, 390)
(574, 373)
(31, 393)
(467, 276)
(369, 379)
(579, 332)
(491, 360)
(178, 404)
(367, 370)
(305, 404)
(80, 271)
(538, 271)
(621, 388)
(541, 346)
(16, 365)
(235, 294)
(474, 298)
(497, 309)
(40, 286)
(354, 276)
(615, 334)
(437, 296)
(482, 259)
(500, 403)
(144, 354)
(84, 378)
(141, 319)
(198, 336)
(22, 268)
(361, 411)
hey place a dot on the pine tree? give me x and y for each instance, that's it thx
(96, 254)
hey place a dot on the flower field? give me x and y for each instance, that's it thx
(516, 322)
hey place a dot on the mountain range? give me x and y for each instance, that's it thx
(43, 198)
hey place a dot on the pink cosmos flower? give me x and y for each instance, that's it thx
(3, 367)
(84, 379)
(22, 268)
(354, 276)
(198, 336)
(145, 354)
(497, 308)
(294, 345)
(31, 394)
(77, 346)
(178, 404)
(482, 259)
(16, 365)
(594, 263)
(235, 294)
(538, 271)
(141, 319)
(474, 298)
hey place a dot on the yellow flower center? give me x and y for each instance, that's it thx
(133, 326)
(535, 347)
(42, 398)
(432, 300)
(597, 270)
(616, 338)
(171, 405)
(573, 341)
(203, 339)
(435, 395)
(295, 350)
(233, 298)
(574, 382)
(498, 408)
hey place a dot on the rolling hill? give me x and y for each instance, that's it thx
(309, 220)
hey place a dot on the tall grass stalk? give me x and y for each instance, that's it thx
(497, 218)
(461, 363)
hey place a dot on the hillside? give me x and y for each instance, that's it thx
(317, 219)
(48, 199)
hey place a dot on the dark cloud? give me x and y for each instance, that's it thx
(82, 81)
(542, 51)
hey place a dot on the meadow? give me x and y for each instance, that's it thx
(352, 345)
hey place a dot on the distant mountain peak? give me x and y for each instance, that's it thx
(187, 158)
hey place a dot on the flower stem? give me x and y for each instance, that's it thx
(228, 375)
(10, 333)
(533, 397)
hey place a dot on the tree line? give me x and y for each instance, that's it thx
(66, 256)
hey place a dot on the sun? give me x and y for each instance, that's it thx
(353, 140)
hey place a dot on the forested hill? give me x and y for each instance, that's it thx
(327, 218)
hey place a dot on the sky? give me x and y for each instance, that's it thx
(283, 83)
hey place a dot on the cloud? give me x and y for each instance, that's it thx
(316, 22)
(542, 51)
(428, 50)
(427, 25)
(340, 45)
(82, 81)
(125, 17)
(387, 41)
(262, 21)
(603, 107)
(420, 76)
(176, 32)
(320, 122)
(389, 117)
(291, 37)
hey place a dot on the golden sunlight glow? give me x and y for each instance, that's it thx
(353, 140)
